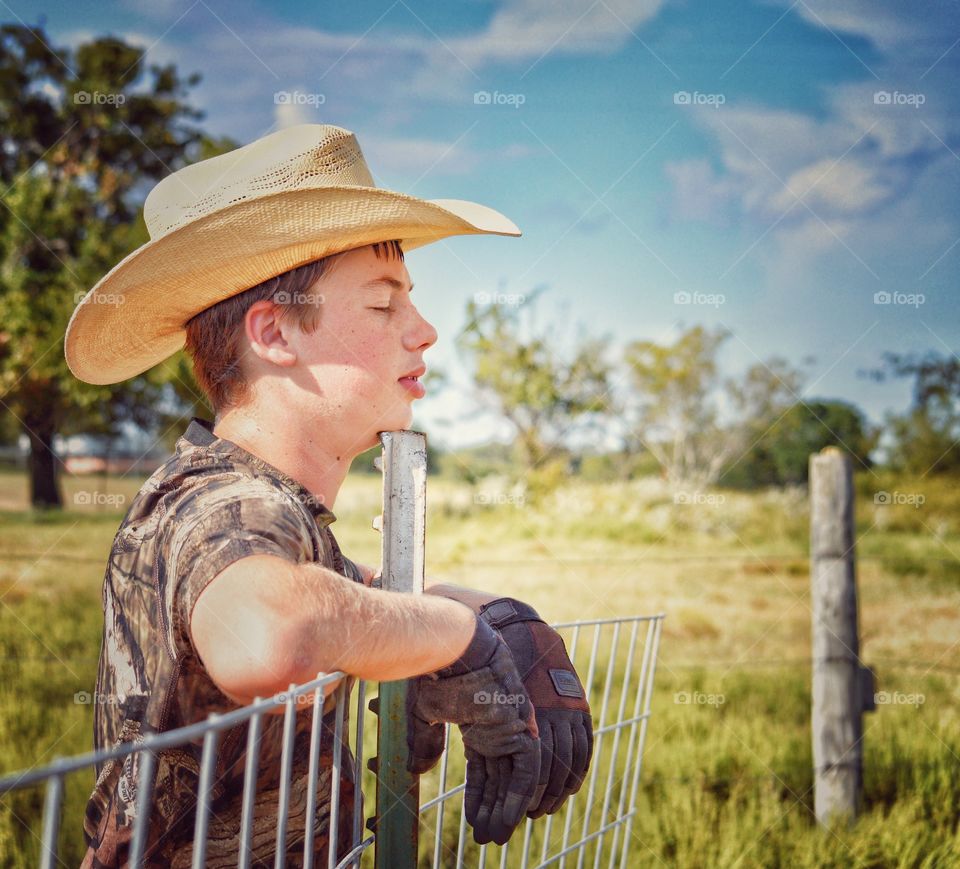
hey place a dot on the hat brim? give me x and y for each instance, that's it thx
(135, 316)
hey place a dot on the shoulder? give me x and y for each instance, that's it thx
(235, 501)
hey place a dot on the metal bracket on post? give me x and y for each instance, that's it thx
(868, 688)
(403, 537)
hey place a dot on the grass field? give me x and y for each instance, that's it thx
(726, 783)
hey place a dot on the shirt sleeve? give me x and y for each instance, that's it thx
(214, 526)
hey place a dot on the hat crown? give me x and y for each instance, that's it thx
(296, 158)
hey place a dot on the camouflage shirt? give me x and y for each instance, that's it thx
(209, 505)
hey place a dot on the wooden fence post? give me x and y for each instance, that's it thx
(842, 687)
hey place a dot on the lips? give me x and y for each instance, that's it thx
(411, 382)
(416, 373)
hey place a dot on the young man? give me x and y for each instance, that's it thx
(280, 266)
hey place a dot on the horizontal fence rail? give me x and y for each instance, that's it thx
(616, 659)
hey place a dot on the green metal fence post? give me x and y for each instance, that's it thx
(403, 528)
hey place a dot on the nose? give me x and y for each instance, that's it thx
(421, 334)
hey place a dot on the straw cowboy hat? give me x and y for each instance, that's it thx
(226, 224)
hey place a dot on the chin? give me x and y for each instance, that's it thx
(394, 423)
(398, 422)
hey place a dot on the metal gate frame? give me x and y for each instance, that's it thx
(619, 789)
(400, 814)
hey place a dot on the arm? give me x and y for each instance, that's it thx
(264, 623)
(472, 597)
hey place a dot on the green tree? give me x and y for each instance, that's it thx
(781, 455)
(678, 393)
(926, 438)
(759, 399)
(675, 386)
(82, 133)
(674, 390)
(546, 395)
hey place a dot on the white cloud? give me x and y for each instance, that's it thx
(434, 156)
(859, 156)
(159, 51)
(370, 69)
(291, 114)
(848, 187)
(888, 24)
(523, 33)
(525, 30)
(897, 131)
(699, 193)
(877, 179)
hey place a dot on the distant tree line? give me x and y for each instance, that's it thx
(682, 419)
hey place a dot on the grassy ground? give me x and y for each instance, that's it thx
(726, 782)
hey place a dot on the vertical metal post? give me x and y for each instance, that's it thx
(286, 767)
(249, 789)
(841, 686)
(145, 785)
(404, 465)
(208, 764)
(51, 822)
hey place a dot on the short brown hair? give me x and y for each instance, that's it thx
(215, 335)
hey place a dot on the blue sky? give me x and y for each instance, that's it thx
(815, 164)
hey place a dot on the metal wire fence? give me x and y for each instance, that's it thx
(617, 659)
(147, 750)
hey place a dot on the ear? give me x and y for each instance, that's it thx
(268, 335)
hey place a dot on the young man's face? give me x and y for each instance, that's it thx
(370, 337)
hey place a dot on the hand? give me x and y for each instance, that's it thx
(562, 711)
(482, 692)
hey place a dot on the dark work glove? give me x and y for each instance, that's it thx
(563, 714)
(562, 711)
(482, 692)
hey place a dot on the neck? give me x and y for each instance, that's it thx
(300, 451)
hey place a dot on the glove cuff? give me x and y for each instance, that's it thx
(477, 654)
(507, 611)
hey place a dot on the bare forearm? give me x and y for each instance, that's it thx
(373, 634)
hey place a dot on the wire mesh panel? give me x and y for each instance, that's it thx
(616, 659)
(146, 752)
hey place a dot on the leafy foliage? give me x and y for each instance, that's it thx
(677, 398)
(781, 454)
(925, 439)
(544, 394)
(82, 133)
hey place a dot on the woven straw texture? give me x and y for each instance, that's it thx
(225, 224)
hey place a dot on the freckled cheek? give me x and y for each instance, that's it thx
(366, 378)
(364, 366)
